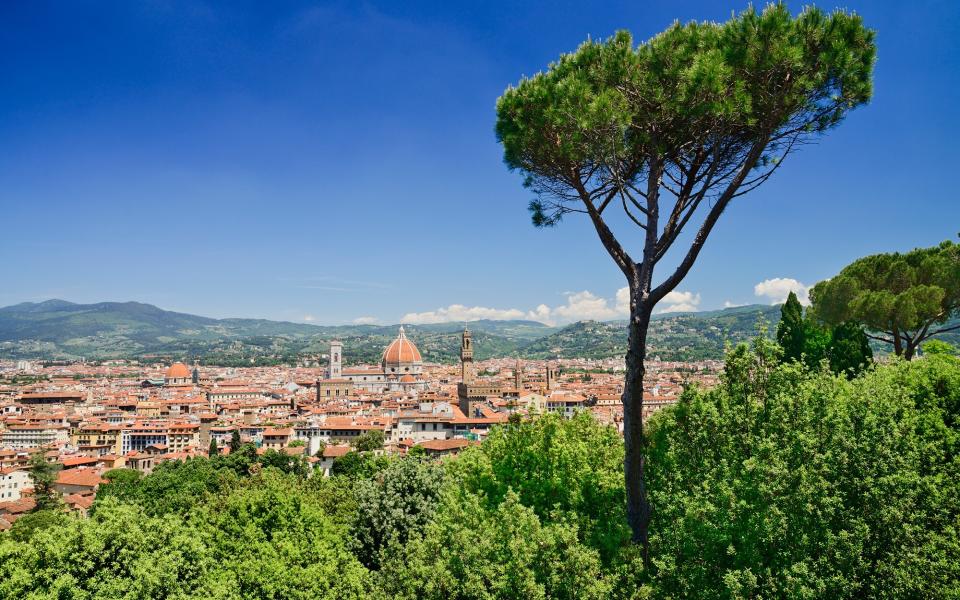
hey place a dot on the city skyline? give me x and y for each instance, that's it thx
(331, 163)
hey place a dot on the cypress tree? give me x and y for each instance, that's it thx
(235, 441)
(790, 330)
(43, 475)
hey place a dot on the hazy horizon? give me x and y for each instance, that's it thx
(318, 323)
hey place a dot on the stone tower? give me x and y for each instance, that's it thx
(336, 358)
(518, 376)
(466, 357)
(551, 377)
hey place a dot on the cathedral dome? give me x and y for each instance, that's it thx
(408, 378)
(178, 370)
(401, 351)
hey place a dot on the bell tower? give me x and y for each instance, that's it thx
(466, 357)
(336, 358)
(518, 376)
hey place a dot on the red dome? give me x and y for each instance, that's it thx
(408, 378)
(401, 350)
(178, 370)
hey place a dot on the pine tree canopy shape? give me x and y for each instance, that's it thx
(665, 134)
(903, 299)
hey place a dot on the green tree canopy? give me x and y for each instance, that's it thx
(939, 347)
(358, 465)
(267, 539)
(788, 483)
(370, 441)
(394, 505)
(536, 511)
(507, 551)
(560, 468)
(849, 351)
(903, 299)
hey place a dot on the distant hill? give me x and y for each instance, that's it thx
(57, 329)
(672, 336)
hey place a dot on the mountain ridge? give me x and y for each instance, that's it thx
(62, 330)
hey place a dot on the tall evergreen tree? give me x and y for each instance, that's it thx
(235, 441)
(213, 451)
(790, 330)
(44, 475)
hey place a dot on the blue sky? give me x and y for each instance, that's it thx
(333, 162)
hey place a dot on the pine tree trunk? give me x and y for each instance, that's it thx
(897, 346)
(909, 351)
(638, 507)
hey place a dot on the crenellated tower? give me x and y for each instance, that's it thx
(466, 357)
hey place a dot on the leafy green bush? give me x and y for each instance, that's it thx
(473, 551)
(784, 483)
(562, 469)
(266, 538)
(394, 505)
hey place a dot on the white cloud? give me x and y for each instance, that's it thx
(585, 305)
(680, 302)
(309, 318)
(778, 288)
(459, 312)
(728, 304)
(579, 306)
(365, 320)
(541, 313)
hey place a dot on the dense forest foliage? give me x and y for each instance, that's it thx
(780, 482)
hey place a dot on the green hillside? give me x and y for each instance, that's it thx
(672, 336)
(57, 329)
(61, 330)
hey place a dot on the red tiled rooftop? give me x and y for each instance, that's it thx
(440, 445)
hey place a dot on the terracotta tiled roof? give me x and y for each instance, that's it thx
(335, 451)
(80, 476)
(277, 432)
(444, 445)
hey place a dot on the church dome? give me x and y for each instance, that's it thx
(408, 378)
(401, 351)
(178, 370)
